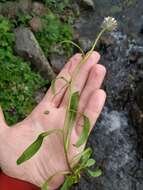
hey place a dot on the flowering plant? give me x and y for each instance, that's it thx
(81, 161)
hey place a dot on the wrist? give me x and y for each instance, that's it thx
(9, 183)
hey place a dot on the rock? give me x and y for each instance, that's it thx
(39, 95)
(107, 40)
(140, 63)
(36, 24)
(12, 9)
(25, 6)
(141, 30)
(27, 47)
(87, 4)
(76, 9)
(39, 9)
(114, 152)
(139, 95)
(85, 43)
(9, 9)
(57, 62)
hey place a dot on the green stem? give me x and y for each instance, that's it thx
(54, 175)
(67, 129)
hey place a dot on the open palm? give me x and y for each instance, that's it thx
(50, 114)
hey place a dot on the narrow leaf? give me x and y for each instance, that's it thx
(85, 132)
(33, 148)
(85, 157)
(72, 113)
(90, 163)
(53, 89)
(77, 157)
(73, 106)
(68, 183)
(96, 173)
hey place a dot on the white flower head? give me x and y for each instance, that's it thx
(109, 24)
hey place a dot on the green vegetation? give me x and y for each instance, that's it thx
(82, 161)
(54, 31)
(17, 82)
(57, 5)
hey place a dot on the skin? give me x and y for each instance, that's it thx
(51, 158)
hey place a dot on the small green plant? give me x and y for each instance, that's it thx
(17, 82)
(82, 161)
(57, 5)
(54, 31)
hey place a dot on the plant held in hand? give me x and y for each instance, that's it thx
(81, 161)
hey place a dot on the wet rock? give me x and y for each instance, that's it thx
(27, 47)
(114, 151)
(87, 4)
(57, 62)
(137, 120)
(140, 63)
(39, 9)
(123, 60)
(139, 95)
(141, 30)
(36, 24)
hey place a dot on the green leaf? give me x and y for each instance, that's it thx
(86, 155)
(33, 148)
(79, 156)
(72, 113)
(96, 173)
(45, 186)
(90, 163)
(85, 133)
(70, 180)
(54, 81)
(73, 106)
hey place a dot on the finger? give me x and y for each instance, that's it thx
(94, 82)
(3, 124)
(66, 73)
(81, 78)
(93, 109)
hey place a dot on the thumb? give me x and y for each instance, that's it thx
(3, 124)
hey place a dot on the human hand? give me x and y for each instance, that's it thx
(51, 158)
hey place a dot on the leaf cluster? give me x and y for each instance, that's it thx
(17, 82)
(54, 31)
(57, 5)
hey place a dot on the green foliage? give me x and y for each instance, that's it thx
(73, 107)
(34, 147)
(21, 19)
(54, 31)
(17, 82)
(83, 166)
(85, 132)
(57, 5)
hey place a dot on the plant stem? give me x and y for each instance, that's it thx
(68, 129)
